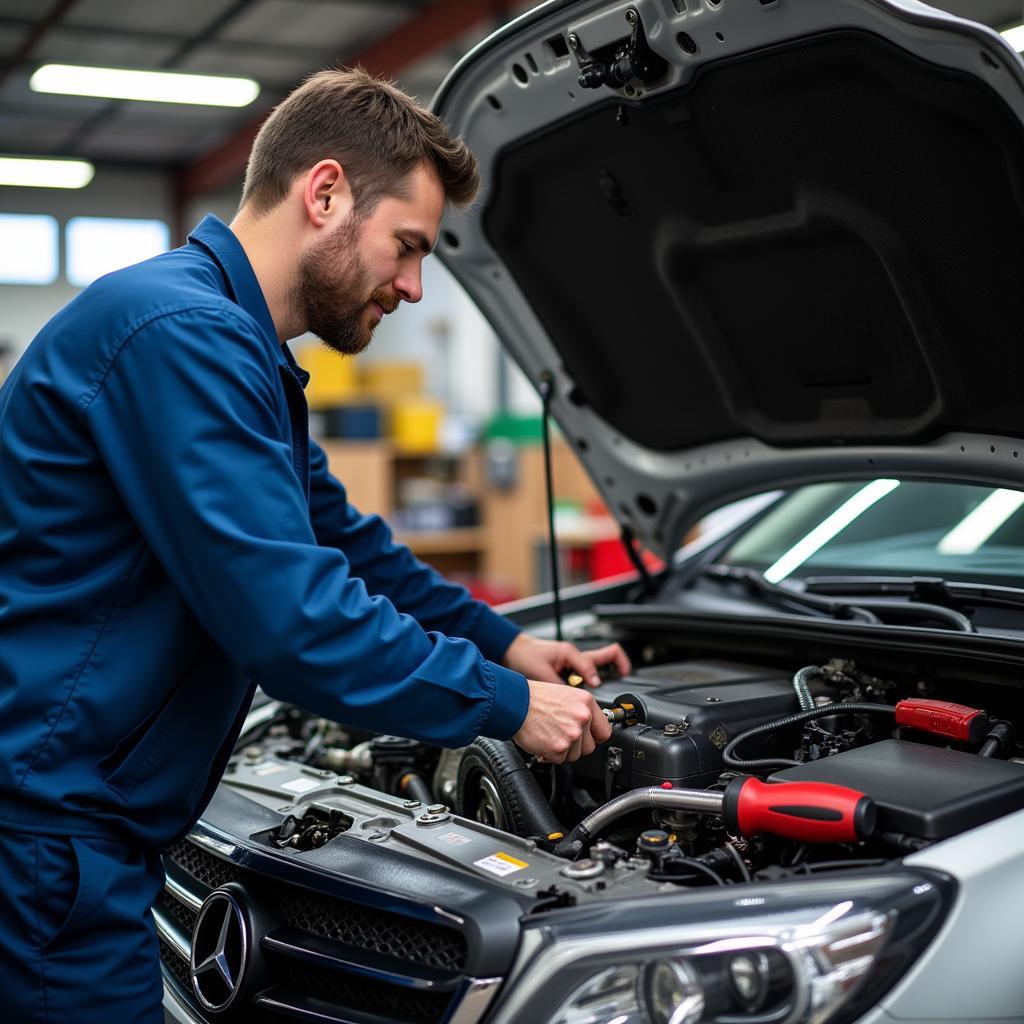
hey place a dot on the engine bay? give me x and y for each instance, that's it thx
(717, 772)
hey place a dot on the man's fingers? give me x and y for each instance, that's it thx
(561, 724)
(587, 745)
(584, 665)
(613, 654)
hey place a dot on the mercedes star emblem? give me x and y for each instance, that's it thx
(220, 950)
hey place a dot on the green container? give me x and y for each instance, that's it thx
(518, 429)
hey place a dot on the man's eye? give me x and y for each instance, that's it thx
(406, 247)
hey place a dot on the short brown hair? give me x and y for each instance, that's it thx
(377, 133)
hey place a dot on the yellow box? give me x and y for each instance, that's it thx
(416, 425)
(388, 382)
(333, 378)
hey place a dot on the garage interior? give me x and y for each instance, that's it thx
(435, 427)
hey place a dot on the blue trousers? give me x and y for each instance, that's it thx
(77, 940)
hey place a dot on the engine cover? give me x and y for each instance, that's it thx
(919, 790)
(689, 711)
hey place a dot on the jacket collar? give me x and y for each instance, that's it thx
(222, 244)
(220, 241)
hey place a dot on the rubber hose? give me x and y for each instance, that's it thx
(529, 811)
(803, 691)
(824, 711)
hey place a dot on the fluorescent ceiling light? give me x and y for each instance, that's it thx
(838, 521)
(1015, 37)
(153, 86)
(45, 173)
(974, 529)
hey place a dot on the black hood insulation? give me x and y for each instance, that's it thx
(822, 242)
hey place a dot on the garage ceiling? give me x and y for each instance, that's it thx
(277, 42)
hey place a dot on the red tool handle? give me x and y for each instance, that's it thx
(943, 718)
(812, 812)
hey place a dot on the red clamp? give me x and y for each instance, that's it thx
(943, 718)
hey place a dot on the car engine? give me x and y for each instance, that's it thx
(716, 772)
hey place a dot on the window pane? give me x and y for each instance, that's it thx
(28, 249)
(98, 245)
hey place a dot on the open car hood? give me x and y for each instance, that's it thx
(790, 248)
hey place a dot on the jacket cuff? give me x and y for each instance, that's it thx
(492, 633)
(510, 704)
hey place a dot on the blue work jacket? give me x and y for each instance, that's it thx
(170, 536)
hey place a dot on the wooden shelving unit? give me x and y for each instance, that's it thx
(502, 549)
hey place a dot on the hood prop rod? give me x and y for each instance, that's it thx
(629, 543)
(547, 388)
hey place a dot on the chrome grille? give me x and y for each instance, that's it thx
(203, 866)
(402, 950)
(175, 965)
(184, 917)
(357, 993)
(403, 938)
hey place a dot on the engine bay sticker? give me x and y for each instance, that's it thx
(269, 769)
(500, 864)
(718, 737)
(300, 785)
(455, 839)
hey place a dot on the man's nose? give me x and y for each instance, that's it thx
(409, 285)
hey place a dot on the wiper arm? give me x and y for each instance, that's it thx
(925, 596)
(757, 585)
(950, 593)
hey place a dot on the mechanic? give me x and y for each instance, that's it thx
(169, 532)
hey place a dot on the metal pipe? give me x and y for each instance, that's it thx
(700, 800)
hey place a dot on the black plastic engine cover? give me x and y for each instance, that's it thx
(702, 704)
(920, 790)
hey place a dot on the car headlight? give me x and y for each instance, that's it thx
(810, 953)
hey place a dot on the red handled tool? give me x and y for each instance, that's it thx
(943, 718)
(812, 812)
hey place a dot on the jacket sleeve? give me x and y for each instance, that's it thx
(188, 422)
(391, 569)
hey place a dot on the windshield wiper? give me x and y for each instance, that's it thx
(960, 596)
(757, 585)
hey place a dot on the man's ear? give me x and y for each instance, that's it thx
(326, 194)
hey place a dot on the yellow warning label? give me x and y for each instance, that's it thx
(511, 860)
(500, 864)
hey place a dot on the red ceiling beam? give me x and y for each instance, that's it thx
(427, 31)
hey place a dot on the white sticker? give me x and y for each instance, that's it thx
(500, 864)
(300, 785)
(455, 839)
(269, 769)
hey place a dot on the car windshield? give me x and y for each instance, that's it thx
(889, 527)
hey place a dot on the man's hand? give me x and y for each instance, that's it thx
(562, 723)
(547, 659)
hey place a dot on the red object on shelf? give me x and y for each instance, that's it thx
(488, 592)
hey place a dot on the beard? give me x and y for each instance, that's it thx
(332, 291)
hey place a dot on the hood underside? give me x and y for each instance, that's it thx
(796, 252)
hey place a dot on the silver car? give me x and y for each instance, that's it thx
(763, 260)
